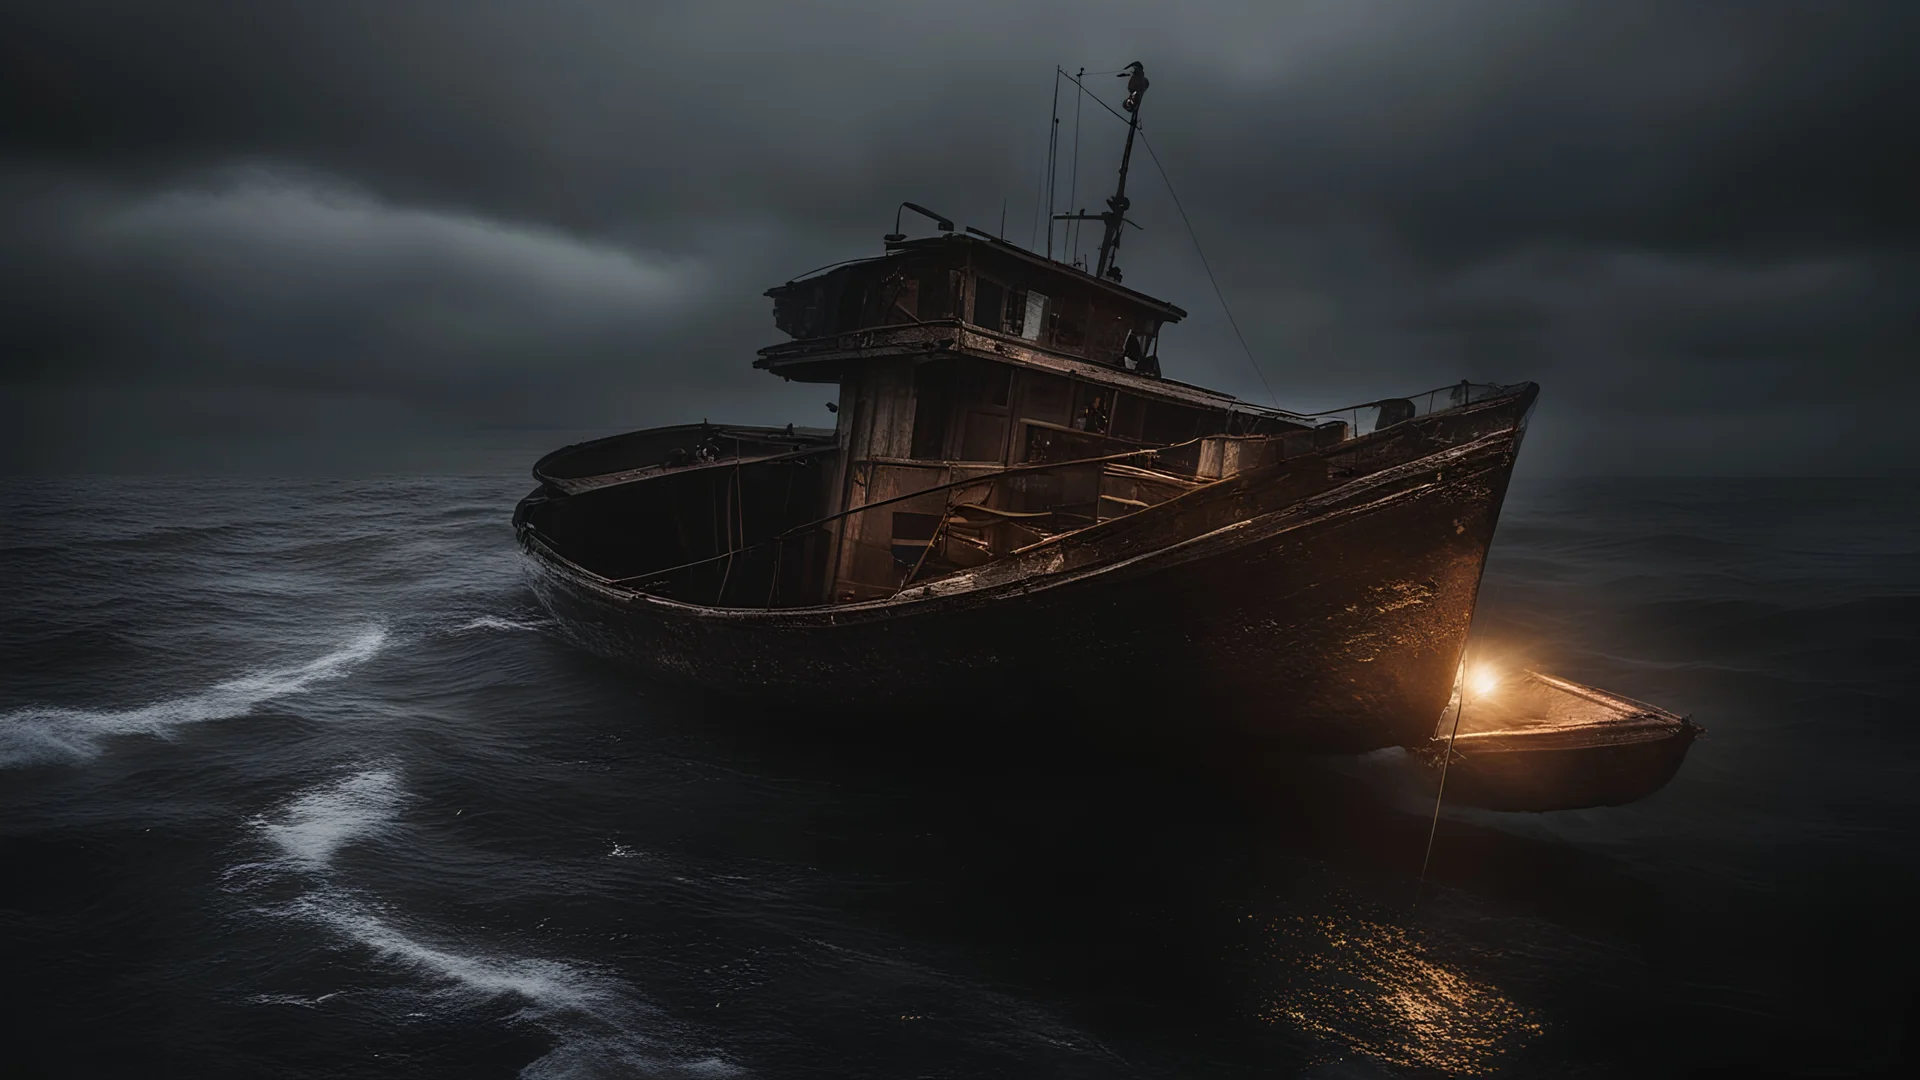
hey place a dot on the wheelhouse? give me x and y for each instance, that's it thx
(960, 357)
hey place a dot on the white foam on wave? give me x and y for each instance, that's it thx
(42, 735)
(315, 825)
(495, 622)
(292, 999)
(600, 1025)
(548, 985)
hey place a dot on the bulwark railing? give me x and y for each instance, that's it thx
(970, 519)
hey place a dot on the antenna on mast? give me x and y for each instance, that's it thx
(1115, 218)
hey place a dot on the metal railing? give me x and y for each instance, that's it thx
(1385, 412)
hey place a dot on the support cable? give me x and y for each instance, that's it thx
(1194, 236)
(1073, 182)
(1208, 267)
(1046, 176)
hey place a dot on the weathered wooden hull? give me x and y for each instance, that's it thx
(1567, 778)
(1332, 623)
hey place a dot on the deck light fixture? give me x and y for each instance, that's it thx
(944, 224)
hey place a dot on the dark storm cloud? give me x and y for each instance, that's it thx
(1693, 222)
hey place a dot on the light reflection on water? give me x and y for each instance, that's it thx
(1376, 989)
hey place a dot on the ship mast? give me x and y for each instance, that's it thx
(1115, 218)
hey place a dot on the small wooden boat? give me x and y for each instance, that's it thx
(1538, 742)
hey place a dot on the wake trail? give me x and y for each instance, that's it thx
(600, 1025)
(38, 735)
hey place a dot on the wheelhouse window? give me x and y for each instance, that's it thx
(989, 304)
(934, 294)
(902, 292)
(1037, 306)
(1070, 324)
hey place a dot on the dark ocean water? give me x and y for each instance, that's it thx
(295, 781)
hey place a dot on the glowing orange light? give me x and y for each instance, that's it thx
(1483, 680)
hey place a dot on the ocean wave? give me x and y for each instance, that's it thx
(600, 1026)
(38, 735)
(292, 999)
(550, 985)
(597, 1021)
(315, 825)
(170, 536)
(495, 622)
(41, 645)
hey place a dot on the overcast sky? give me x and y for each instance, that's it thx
(392, 235)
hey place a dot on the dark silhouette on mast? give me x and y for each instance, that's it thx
(1115, 218)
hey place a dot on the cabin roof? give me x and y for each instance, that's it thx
(823, 360)
(1170, 312)
(956, 243)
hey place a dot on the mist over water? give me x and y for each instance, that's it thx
(295, 780)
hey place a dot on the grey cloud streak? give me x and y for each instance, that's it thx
(1692, 222)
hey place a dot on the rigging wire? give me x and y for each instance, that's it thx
(1039, 190)
(1073, 185)
(1434, 829)
(1185, 220)
(1075, 80)
(1046, 174)
(1208, 267)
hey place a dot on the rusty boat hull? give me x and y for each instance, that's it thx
(1319, 604)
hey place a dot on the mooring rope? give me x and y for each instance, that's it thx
(1434, 828)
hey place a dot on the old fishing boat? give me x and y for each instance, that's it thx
(1018, 503)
